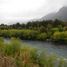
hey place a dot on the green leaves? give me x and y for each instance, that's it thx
(42, 36)
(13, 47)
(60, 36)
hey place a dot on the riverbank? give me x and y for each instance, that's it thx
(14, 55)
(27, 34)
(45, 46)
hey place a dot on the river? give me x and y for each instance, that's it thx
(49, 47)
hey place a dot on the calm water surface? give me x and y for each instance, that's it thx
(48, 47)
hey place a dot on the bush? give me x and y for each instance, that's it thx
(23, 34)
(42, 37)
(12, 48)
(60, 36)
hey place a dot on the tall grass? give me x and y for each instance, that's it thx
(13, 54)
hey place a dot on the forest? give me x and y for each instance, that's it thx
(55, 31)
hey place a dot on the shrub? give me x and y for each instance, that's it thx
(42, 36)
(12, 48)
(60, 36)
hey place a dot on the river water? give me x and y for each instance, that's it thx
(49, 47)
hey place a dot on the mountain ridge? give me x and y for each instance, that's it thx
(61, 15)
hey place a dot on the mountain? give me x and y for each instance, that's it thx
(61, 15)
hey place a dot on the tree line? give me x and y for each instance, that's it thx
(36, 30)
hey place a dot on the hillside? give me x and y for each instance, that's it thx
(61, 15)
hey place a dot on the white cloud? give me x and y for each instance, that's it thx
(27, 9)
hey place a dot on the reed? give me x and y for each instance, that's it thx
(13, 54)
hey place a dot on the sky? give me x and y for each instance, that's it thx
(12, 11)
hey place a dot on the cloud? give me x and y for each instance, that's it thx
(19, 10)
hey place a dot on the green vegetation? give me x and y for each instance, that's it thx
(23, 34)
(13, 54)
(55, 31)
(60, 36)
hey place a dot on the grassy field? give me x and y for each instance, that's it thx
(13, 54)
